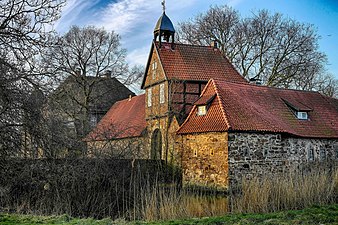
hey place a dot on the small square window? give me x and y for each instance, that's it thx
(201, 110)
(302, 115)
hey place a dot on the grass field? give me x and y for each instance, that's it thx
(313, 215)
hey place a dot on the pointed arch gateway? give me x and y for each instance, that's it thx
(156, 144)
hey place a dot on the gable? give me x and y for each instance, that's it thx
(153, 75)
(213, 120)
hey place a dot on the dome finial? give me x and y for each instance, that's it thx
(163, 5)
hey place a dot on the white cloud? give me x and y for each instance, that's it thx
(135, 20)
(234, 3)
(138, 56)
(73, 13)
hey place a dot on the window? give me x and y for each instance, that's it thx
(212, 152)
(322, 154)
(265, 151)
(162, 99)
(154, 67)
(149, 97)
(298, 108)
(201, 110)
(195, 152)
(302, 115)
(311, 155)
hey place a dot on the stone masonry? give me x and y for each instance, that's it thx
(257, 154)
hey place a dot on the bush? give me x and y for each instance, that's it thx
(78, 187)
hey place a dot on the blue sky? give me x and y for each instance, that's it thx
(135, 20)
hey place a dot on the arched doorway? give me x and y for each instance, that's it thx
(156, 145)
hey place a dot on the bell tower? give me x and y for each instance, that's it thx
(164, 29)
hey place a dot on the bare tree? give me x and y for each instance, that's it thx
(279, 51)
(88, 61)
(24, 28)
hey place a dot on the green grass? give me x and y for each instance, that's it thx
(314, 215)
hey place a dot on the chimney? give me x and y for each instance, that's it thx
(255, 81)
(107, 74)
(129, 98)
(78, 72)
(214, 44)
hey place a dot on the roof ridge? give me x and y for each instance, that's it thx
(129, 99)
(264, 86)
(221, 105)
(184, 44)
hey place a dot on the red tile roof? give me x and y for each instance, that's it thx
(245, 107)
(125, 119)
(195, 63)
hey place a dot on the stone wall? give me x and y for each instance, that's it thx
(204, 159)
(253, 154)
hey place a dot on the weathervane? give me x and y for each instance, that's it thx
(163, 5)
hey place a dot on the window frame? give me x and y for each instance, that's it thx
(201, 112)
(300, 115)
(154, 68)
(311, 154)
(322, 154)
(162, 95)
(149, 96)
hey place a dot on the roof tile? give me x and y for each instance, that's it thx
(249, 107)
(125, 119)
(200, 63)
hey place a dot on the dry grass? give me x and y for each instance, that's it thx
(292, 191)
(288, 192)
(169, 203)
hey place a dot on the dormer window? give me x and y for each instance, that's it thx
(300, 110)
(302, 115)
(203, 104)
(202, 110)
